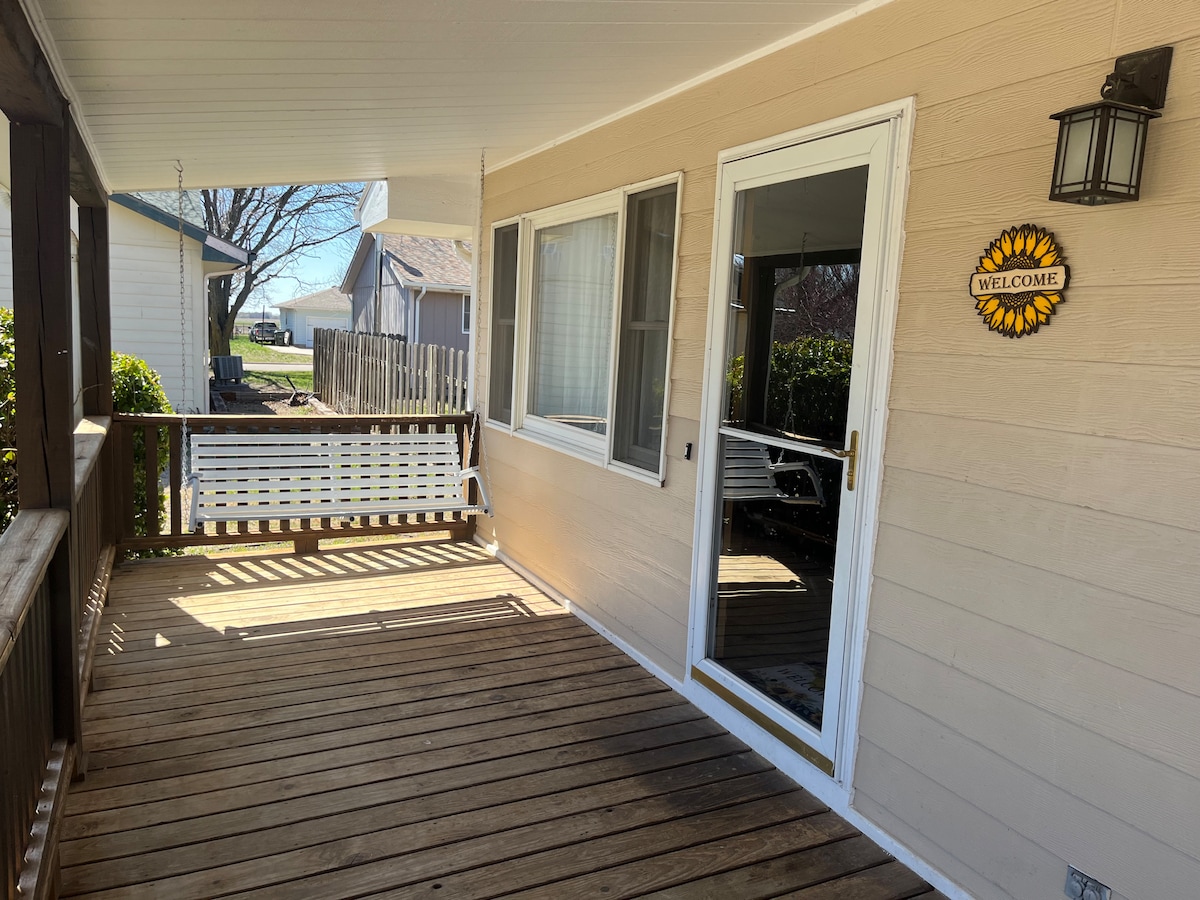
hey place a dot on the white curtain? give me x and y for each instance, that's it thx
(572, 322)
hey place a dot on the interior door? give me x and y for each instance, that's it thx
(800, 239)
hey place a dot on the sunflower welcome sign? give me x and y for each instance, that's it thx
(1019, 281)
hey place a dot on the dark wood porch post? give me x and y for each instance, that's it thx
(94, 311)
(41, 230)
(95, 342)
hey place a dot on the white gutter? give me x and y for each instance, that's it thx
(415, 336)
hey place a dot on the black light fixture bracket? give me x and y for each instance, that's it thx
(1140, 79)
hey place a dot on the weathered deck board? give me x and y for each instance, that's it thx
(414, 720)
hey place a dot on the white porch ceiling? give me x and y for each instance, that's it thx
(288, 91)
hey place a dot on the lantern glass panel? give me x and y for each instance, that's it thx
(1078, 135)
(1122, 163)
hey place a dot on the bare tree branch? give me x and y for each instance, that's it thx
(280, 226)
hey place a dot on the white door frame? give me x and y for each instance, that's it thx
(889, 238)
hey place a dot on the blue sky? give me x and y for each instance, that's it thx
(322, 268)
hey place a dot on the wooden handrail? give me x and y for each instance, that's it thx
(26, 547)
(90, 435)
(310, 422)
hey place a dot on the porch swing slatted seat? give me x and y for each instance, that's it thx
(253, 477)
(750, 475)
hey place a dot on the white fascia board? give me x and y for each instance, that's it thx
(437, 206)
(233, 250)
(372, 205)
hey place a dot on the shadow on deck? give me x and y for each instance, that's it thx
(416, 720)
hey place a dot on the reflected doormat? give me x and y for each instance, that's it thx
(799, 687)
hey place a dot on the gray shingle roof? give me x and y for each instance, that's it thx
(168, 202)
(429, 261)
(329, 299)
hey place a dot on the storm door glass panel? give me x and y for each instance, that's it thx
(572, 322)
(791, 333)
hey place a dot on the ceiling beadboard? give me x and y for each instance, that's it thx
(287, 91)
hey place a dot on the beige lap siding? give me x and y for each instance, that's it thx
(1031, 690)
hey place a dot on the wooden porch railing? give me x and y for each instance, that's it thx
(39, 756)
(378, 374)
(93, 535)
(143, 528)
(32, 750)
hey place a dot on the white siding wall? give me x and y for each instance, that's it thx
(146, 306)
(145, 301)
(441, 321)
(6, 290)
(362, 294)
(298, 321)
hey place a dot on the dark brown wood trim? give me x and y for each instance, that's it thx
(87, 188)
(314, 424)
(95, 318)
(97, 599)
(40, 878)
(42, 318)
(26, 549)
(459, 530)
(42, 311)
(29, 93)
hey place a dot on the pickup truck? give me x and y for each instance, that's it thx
(270, 333)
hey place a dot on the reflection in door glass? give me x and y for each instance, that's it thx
(775, 571)
(794, 285)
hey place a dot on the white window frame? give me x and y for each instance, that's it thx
(587, 446)
(498, 225)
(465, 315)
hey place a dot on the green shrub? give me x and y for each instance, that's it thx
(812, 374)
(138, 389)
(8, 420)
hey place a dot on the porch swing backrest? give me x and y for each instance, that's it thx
(750, 475)
(252, 477)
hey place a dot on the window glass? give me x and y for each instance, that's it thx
(645, 320)
(504, 324)
(573, 281)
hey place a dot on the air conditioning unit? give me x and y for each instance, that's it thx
(227, 369)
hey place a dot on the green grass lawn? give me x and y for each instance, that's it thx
(252, 352)
(277, 381)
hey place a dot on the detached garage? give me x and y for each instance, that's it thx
(324, 309)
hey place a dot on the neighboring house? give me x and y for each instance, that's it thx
(329, 308)
(418, 287)
(150, 318)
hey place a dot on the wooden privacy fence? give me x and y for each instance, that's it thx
(171, 431)
(379, 374)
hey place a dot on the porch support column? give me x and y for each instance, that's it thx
(41, 240)
(95, 343)
(95, 319)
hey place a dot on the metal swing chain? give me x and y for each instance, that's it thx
(483, 462)
(182, 293)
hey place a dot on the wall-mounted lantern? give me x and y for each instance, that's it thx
(1101, 146)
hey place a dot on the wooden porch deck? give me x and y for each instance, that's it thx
(415, 720)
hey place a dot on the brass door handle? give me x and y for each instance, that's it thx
(850, 454)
